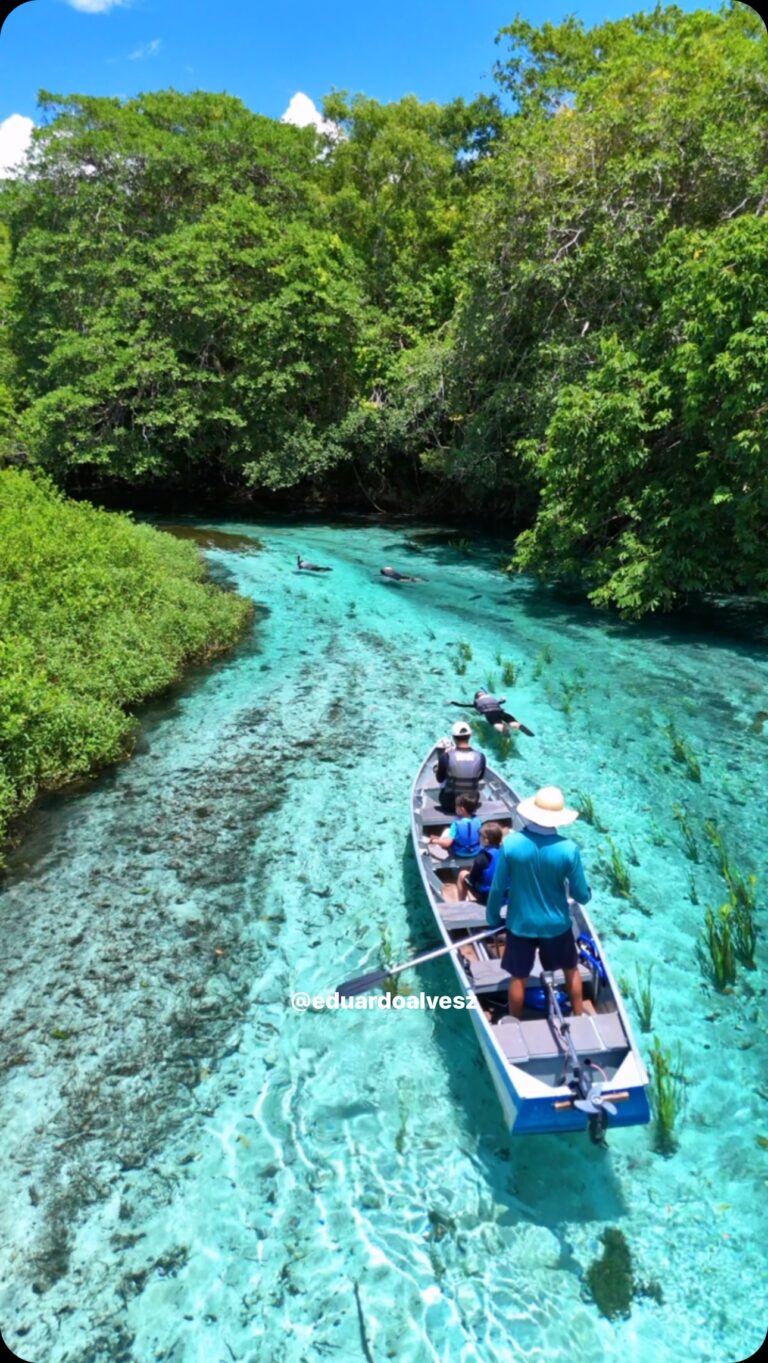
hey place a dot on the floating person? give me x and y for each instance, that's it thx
(459, 767)
(306, 567)
(536, 873)
(395, 576)
(490, 707)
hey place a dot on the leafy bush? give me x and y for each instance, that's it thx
(96, 614)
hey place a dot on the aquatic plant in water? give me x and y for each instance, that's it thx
(586, 807)
(461, 544)
(643, 997)
(717, 840)
(742, 904)
(667, 1096)
(569, 690)
(510, 672)
(543, 659)
(609, 1278)
(683, 754)
(715, 948)
(689, 838)
(618, 873)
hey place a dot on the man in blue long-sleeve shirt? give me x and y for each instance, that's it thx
(535, 874)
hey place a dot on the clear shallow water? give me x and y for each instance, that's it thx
(194, 1173)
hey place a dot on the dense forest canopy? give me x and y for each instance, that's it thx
(550, 306)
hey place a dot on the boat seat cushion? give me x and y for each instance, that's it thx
(431, 813)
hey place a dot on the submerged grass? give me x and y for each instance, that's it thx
(683, 754)
(642, 995)
(586, 807)
(715, 948)
(617, 873)
(667, 1096)
(689, 837)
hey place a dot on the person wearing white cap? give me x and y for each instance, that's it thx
(535, 875)
(459, 767)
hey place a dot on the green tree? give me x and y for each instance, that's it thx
(567, 377)
(183, 309)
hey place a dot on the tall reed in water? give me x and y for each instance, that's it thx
(715, 948)
(667, 1096)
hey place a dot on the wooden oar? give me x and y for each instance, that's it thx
(365, 982)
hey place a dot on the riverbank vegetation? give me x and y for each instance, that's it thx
(96, 614)
(547, 307)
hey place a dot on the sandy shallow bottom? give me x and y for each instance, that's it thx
(195, 1173)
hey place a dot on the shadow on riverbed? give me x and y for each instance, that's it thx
(212, 539)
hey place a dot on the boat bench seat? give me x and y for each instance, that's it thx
(431, 813)
(468, 914)
(535, 1038)
(488, 976)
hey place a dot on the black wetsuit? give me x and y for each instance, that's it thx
(307, 567)
(489, 707)
(460, 770)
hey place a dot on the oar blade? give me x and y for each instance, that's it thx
(362, 984)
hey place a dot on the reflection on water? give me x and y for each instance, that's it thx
(195, 1172)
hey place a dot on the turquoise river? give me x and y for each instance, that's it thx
(195, 1173)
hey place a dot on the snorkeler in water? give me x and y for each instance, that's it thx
(490, 707)
(395, 576)
(306, 567)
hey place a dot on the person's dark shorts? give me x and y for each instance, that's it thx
(556, 953)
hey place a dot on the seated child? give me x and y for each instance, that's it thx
(462, 839)
(476, 882)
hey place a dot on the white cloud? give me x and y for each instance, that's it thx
(97, 6)
(148, 50)
(15, 133)
(302, 111)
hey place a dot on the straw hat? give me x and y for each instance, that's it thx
(547, 807)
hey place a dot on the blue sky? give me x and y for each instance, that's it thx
(262, 52)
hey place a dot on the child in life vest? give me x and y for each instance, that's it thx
(462, 839)
(476, 882)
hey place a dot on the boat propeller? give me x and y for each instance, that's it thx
(587, 1095)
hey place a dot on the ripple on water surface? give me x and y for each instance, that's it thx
(193, 1171)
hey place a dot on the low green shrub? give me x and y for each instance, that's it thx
(96, 614)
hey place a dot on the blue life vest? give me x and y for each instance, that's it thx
(486, 876)
(467, 843)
